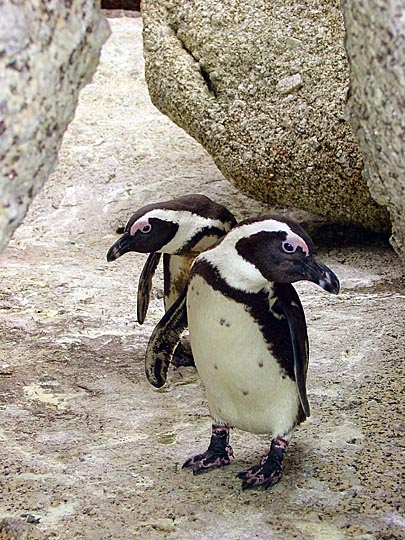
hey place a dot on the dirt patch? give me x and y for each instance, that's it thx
(88, 449)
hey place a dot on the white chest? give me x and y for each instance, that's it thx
(245, 386)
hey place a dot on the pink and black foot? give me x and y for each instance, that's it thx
(219, 452)
(270, 470)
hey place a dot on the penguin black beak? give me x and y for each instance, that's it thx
(320, 274)
(121, 246)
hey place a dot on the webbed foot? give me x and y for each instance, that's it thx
(209, 460)
(270, 470)
(219, 452)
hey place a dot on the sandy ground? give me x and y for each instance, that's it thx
(88, 449)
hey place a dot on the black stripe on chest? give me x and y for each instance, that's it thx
(274, 328)
(213, 232)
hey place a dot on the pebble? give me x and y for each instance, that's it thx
(289, 84)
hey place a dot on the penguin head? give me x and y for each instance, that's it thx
(189, 223)
(273, 249)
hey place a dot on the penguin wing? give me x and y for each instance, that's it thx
(290, 306)
(145, 285)
(164, 340)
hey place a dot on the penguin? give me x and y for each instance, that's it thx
(249, 338)
(179, 229)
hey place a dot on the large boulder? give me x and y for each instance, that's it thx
(48, 51)
(262, 86)
(376, 49)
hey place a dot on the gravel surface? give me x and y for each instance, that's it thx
(89, 450)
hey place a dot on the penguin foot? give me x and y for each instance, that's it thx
(264, 475)
(209, 460)
(182, 355)
(270, 470)
(219, 452)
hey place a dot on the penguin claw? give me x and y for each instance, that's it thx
(209, 460)
(265, 475)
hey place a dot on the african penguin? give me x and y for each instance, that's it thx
(248, 336)
(180, 229)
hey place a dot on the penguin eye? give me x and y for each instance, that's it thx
(146, 228)
(288, 248)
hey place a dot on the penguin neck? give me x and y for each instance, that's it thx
(235, 271)
(204, 240)
(191, 230)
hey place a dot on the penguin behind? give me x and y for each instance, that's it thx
(180, 229)
(249, 339)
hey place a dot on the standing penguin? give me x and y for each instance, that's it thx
(180, 229)
(248, 336)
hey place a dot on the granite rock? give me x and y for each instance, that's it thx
(262, 86)
(375, 46)
(88, 446)
(48, 51)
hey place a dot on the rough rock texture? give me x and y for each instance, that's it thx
(88, 449)
(375, 46)
(48, 51)
(262, 85)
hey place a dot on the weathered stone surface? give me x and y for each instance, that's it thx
(376, 49)
(220, 70)
(88, 446)
(13, 529)
(48, 51)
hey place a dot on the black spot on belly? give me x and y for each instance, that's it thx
(224, 322)
(215, 366)
(260, 364)
(245, 392)
(284, 374)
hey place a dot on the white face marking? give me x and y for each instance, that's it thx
(236, 271)
(189, 225)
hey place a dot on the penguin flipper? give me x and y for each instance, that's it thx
(164, 340)
(290, 306)
(145, 285)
